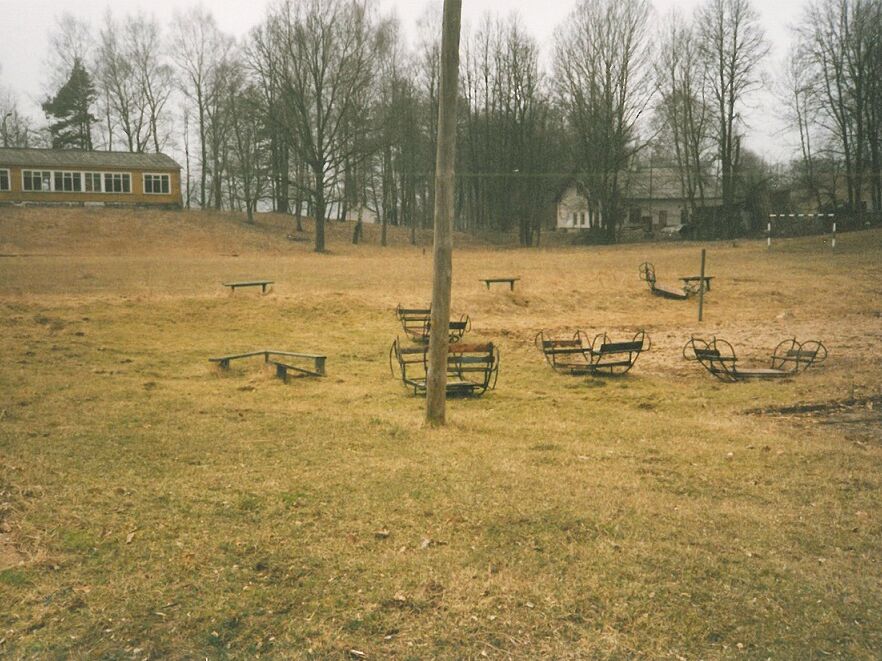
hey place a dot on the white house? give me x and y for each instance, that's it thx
(575, 210)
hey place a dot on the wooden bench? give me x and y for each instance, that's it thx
(489, 281)
(718, 357)
(472, 369)
(417, 324)
(647, 274)
(692, 283)
(263, 284)
(579, 355)
(282, 366)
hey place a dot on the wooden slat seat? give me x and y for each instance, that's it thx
(472, 368)
(578, 356)
(417, 324)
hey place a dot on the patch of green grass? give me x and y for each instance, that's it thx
(15, 577)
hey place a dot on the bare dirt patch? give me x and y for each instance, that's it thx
(859, 419)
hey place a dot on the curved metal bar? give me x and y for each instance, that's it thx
(394, 350)
(495, 369)
(549, 356)
(539, 340)
(811, 352)
(786, 351)
(730, 371)
(644, 339)
(584, 342)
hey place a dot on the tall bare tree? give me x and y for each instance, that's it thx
(264, 56)
(153, 73)
(602, 64)
(120, 87)
(731, 44)
(841, 56)
(14, 125)
(199, 48)
(682, 106)
(248, 158)
(72, 40)
(328, 58)
(506, 147)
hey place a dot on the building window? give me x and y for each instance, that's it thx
(92, 182)
(4, 179)
(575, 220)
(582, 219)
(68, 182)
(156, 184)
(37, 181)
(118, 182)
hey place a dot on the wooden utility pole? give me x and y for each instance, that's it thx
(701, 288)
(436, 381)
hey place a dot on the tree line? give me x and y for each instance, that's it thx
(326, 109)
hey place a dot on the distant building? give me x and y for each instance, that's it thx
(67, 176)
(655, 198)
(652, 197)
(575, 209)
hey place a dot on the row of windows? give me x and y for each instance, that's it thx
(46, 181)
(580, 217)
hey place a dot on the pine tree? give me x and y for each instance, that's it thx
(72, 128)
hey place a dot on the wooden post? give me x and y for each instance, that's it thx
(833, 245)
(436, 377)
(701, 288)
(769, 232)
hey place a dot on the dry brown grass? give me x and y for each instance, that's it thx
(159, 509)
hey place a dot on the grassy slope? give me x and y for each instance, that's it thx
(160, 509)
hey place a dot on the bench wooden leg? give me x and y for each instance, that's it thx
(512, 285)
(282, 372)
(320, 366)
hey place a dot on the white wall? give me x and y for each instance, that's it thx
(574, 211)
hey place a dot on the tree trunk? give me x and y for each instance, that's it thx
(319, 209)
(436, 379)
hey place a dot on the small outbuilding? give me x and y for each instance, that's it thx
(68, 176)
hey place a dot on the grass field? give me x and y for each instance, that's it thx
(151, 507)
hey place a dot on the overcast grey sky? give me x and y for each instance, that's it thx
(25, 26)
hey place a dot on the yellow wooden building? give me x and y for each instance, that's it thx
(68, 176)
